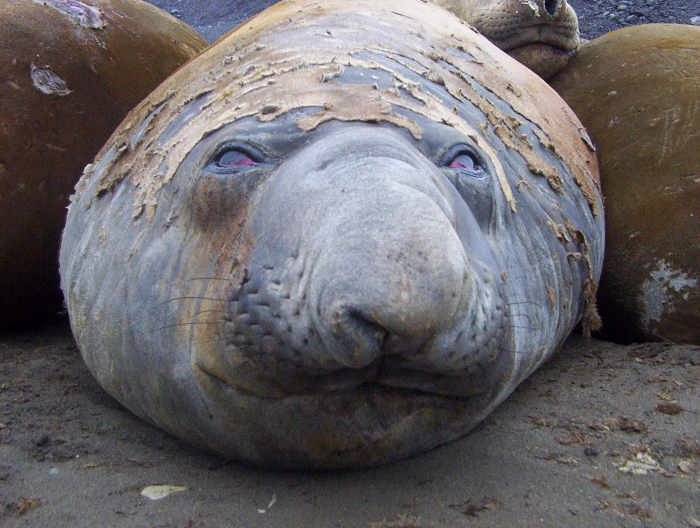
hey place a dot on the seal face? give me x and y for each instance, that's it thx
(634, 90)
(542, 34)
(71, 70)
(339, 237)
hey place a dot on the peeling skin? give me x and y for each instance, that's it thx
(656, 296)
(78, 12)
(532, 5)
(48, 81)
(275, 78)
(592, 321)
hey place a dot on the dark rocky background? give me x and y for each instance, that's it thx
(600, 16)
(215, 17)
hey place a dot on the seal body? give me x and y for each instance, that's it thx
(339, 237)
(70, 70)
(637, 93)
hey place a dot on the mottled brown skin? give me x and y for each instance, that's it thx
(636, 90)
(109, 60)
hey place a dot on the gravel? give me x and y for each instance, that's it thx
(597, 17)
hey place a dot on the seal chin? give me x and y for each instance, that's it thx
(544, 59)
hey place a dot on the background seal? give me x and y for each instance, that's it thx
(636, 90)
(69, 73)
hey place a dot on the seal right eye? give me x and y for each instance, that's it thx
(464, 161)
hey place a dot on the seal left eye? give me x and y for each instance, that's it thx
(231, 159)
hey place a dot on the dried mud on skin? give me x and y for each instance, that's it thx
(602, 435)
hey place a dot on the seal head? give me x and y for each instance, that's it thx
(343, 235)
(542, 34)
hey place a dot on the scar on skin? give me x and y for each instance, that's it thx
(78, 12)
(48, 81)
(656, 295)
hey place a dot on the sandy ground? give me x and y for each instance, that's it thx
(604, 435)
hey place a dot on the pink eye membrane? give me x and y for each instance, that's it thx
(463, 161)
(235, 158)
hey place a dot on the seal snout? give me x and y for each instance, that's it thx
(389, 280)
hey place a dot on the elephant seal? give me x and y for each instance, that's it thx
(636, 91)
(542, 34)
(337, 238)
(69, 72)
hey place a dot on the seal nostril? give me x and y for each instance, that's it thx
(551, 6)
(364, 338)
(369, 329)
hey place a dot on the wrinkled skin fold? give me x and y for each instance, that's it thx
(339, 237)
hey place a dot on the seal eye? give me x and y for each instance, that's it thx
(466, 162)
(231, 159)
(463, 161)
(468, 171)
(235, 158)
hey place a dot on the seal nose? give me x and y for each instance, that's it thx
(391, 274)
(382, 258)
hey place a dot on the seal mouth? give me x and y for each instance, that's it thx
(562, 38)
(541, 48)
(382, 377)
(388, 373)
(544, 59)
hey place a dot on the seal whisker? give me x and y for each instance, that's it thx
(522, 315)
(208, 341)
(192, 297)
(524, 302)
(509, 279)
(514, 352)
(183, 324)
(209, 278)
(208, 311)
